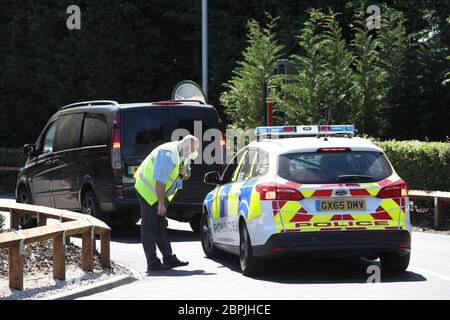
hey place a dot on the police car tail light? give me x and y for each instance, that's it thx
(394, 190)
(334, 150)
(276, 191)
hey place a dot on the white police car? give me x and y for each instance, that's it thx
(325, 192)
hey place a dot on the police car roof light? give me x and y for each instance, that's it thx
(302, 130)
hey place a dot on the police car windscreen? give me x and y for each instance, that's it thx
(330, 167)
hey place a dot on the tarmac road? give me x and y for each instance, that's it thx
(428, 276)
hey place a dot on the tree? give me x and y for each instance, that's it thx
(338, 85)
(301, 94)
(243, 98)
(393, 42)
(369, 76)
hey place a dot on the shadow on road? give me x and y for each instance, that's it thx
(133, 235)
(179, 273)
(320, 271)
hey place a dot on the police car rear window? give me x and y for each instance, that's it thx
(333, 167)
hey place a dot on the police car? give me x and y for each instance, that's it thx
(319, 190)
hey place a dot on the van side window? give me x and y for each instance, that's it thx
(47, 142)
(68, 132)
(94, 130)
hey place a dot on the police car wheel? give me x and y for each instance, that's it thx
(195, 223)
(206, 237)
(394, 263)
(249, 264)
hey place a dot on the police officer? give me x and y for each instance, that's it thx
(157, 180)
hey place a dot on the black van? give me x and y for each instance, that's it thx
(86, 155)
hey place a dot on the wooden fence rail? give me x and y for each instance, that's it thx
(70, 224)
(439, 197)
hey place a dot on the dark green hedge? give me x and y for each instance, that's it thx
(423, 165)
(12, 157)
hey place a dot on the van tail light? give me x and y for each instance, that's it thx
(394, 190)
(116, 163)
(276, 191)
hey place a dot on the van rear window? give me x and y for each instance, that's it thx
(143, 130)
(333, 167)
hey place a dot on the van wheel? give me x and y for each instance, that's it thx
(25, 222)
(90, 206)
(249, 264)
(395, 263)
(195, 222)
(206, 237)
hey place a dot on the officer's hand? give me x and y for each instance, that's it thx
(184, 173)
(161, 209)
(186, 176)
(183, 170)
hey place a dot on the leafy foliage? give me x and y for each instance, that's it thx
(10, 157)
(423, 165)
(138, 50)
(244, 98)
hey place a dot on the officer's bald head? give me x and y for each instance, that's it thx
(189, 145)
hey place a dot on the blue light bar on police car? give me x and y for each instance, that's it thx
(306, 130)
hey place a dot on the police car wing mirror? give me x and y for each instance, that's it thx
(29, 150)
(212, 178)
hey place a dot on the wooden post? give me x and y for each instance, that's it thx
(87, 258)
(14, 220)
(105, 239)
(16, 267)
(59, 263)
(438, 213)
(42, 221)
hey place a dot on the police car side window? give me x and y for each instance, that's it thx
(261, 165)
(232, 168)
(245, 169)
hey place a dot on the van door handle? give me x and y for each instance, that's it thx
(48, 162)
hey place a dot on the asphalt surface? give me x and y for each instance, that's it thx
(428, 276)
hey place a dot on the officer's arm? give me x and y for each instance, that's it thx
(161, 171)
(160, 191)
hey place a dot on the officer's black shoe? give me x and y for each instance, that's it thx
(174, 262)
(157, 266)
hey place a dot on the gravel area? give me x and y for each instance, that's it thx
(422, 219)
(38, 272)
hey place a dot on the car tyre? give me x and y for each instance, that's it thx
(195, 223)
(25, 222)
(249, 264)
(90, 206)
(206, 237)
(395, 263)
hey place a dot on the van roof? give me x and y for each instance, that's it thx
(115, 105)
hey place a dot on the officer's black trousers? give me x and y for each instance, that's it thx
(154, 232)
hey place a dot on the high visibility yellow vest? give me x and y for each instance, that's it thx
(145, 184)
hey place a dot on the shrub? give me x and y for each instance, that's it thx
(12, 157)
(423, 165)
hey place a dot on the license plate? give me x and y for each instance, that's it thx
(132, 170)
(341, 205)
